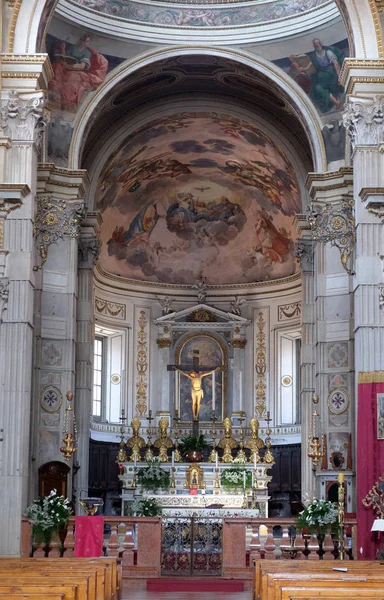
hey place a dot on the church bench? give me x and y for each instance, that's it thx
(307, 581)
(333, 594)
(85, 585)
(32, 596)
(307, 569)
(108, 574)
(66, 592)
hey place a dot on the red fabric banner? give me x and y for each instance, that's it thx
(89, 532)
(370, 460)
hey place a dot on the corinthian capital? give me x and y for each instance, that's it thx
(56, 218)
(23, 119)
(364, 120)
(304, 252)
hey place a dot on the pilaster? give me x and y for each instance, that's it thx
(22, 120)
(332, 229)
(88, 253)
(59, 215)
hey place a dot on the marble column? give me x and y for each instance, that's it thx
(22, 118)
(88, 252)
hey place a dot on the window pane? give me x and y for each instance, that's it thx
(97, 377)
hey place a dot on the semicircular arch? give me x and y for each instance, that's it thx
(306, 112)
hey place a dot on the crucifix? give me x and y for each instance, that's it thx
(195, 374)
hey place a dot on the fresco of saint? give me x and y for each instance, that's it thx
(77, 69)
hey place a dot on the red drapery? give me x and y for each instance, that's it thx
(89, 537)
(370, 460)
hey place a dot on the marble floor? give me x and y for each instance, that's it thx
(144, 595)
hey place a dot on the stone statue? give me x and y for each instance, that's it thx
(236, 306)
(136, 442)
(197, 392)
(166, 304)
(254, 443)
(201, 288)
(227, 442)
(163, 442)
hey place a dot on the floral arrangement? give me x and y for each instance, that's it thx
(190, 443)
(47, 514)
(153, 477)
(147, 507)
(233, 478)
(318, 516)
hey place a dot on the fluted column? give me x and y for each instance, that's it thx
(88, 252)
(22, 119)
(305, 255)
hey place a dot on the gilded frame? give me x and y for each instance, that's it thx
(179, 401)
(380, 416)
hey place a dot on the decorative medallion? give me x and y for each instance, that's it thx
(338, 401)
(286, 380)
(115, 378)
(50, 399)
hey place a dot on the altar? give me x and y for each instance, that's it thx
(209, 499)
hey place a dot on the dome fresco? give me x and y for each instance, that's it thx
(198, 195)
(192, 14)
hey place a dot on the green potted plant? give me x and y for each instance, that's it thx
(318, 516)
(192, 446)
(153, 477)
(47, 515)
(234, 478)
(147, 507)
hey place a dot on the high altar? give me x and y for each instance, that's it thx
(199, 393)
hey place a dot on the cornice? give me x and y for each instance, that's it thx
(371, 191)
(326, 182)
(355, 71)
(122, 285)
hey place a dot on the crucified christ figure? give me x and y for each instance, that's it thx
(196, 391)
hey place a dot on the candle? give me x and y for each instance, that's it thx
(122, 413)
(254, 460)
(213, 390)
(173, 458)
(253, 478)
(340, 478)
(244, 479)
(217, 461)
(149, 414)
(134, 458)
(241, 392)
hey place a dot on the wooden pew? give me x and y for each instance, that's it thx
(108, 575)
(66, 592)
(37, 596)
(267, 572)
(85, 585)
(369, 582)
(294, 594)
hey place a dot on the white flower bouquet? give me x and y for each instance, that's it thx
(318, 516)
(153, 477)
(47, 514)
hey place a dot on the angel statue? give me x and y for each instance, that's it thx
(201, 288)
(236, 306)
(166, 304)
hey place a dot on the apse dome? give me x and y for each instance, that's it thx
(198, 194)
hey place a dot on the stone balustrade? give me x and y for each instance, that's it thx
(137, 542)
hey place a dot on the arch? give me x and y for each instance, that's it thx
(307, 113)
(361, 19)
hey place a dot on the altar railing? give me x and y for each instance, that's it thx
(137, 542)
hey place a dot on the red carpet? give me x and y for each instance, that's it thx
(176, 584)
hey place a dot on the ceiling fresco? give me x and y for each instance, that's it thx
(198, 195)
(227, 15)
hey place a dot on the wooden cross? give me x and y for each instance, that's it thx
(196, 367)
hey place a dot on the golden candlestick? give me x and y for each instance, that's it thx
(341, 515)
(69, 437)
(217, 481)
(173, 485)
